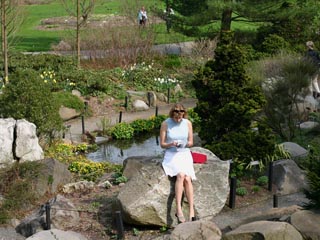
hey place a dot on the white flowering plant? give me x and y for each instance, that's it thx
(144, 76)
(165, 83)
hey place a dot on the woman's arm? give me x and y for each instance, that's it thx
(163, 135)
(190, 134)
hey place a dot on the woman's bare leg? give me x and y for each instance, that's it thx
(189, 192)
(178, 192)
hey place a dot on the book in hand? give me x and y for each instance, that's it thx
(181, 144)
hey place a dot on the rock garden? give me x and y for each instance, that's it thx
(254, 118)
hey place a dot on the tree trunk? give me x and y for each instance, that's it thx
(78, 34)
(4, 41)
(226, 19)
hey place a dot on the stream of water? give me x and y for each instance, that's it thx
(118, 151)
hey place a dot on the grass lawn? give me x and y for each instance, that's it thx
(29, 38)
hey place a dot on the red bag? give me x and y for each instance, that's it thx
(199, 157)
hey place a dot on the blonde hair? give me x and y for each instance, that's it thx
(180, 107)
(310, 44)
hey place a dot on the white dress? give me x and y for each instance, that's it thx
(178, 160)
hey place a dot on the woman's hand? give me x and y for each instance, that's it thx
(174, 144)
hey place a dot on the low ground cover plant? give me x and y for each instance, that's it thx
(74, 157)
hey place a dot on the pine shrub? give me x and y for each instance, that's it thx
(228, 104)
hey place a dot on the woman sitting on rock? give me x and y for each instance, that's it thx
(176, 136)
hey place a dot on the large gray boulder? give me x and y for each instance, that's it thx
(288, 177)
(54, 234)
(308, 223)
(62, 214)
(197, 230)
(9, 233)
(53, 175)
(266, 230)
(27, 143)
(7, 127)
(68, 113)
(148, 197)
(18, 141)
(295, 150)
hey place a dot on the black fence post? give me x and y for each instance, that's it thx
(156, 111)
(82, 122)
(120, 117)
(126, 102)
(48, 221)
(231, 166)
(232, 195)
(119, 225)
(168, 95)
(149, 98)
(275, 200)
(82, 117)
(270, 176)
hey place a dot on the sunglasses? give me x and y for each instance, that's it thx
(178, 111)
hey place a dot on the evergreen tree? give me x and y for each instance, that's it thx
(228, 105)
(312, 167)
(194, 17)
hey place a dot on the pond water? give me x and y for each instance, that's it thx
(117, 151)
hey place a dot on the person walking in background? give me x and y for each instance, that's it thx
(176, 136)
(142, 16)
(168, 12)
(315, 58)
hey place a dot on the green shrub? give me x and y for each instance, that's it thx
(157, 120)
(172, 61)
(26, 96)
(274, 44)
(40, 62)
(122, 131)
(121, 179)
(238, 169)
(142, 125)
(255, 189)
(194, 118)
(262, 181)
(238, 184)
(241, 191)
(69, 100)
